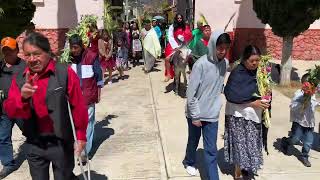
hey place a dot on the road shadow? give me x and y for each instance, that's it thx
(19, 158)
(21, 155)
(316, 142)
(182, 89)
(155, 70)
(200, 164)
(126, 76)
(95, 176)
(101, 134)
(155, 64)
(138, 63)
(170, 87)
(292, 151)
(276, 70)
(115, 80)
(224, 167)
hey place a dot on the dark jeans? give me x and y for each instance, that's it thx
(6, 150)
(304, 134)
(209, 132)
(61, 156)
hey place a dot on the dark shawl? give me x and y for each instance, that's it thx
(241, 85)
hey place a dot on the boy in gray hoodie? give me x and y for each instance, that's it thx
(204, 103)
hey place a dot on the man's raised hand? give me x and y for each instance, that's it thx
(28, 89)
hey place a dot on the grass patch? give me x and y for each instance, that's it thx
(291, 89)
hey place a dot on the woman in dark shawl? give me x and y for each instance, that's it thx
(243, 124)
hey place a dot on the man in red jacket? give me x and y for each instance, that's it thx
(40, 95)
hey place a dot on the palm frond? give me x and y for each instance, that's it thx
(203, 19)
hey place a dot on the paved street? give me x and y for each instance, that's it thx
(141, 133)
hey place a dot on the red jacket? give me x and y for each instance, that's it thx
(16, 108)
(89, 79)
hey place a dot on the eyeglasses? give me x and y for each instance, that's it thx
(35, 54)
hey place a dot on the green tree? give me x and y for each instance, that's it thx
(108, 22)
(1, 12)
(288, 19)
(16, 15)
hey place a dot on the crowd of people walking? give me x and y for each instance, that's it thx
(37, 91)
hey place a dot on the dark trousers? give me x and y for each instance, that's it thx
(209, 133)
(304, 134)
(61, 156)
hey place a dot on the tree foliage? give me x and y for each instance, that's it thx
(16, 15)
(1, 12)
(81, 29)
(287, 17)
(109, 24)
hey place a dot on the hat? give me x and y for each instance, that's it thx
(202, 20)
(75, 39)
(146, 21)
(8, 42)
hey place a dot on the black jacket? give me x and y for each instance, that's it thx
(6, 75)
(57, 103)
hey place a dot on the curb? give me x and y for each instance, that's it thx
(161, 145)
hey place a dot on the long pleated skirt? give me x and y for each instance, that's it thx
(243, 143)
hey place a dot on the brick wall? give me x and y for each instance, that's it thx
(305, 46)
(56, 38)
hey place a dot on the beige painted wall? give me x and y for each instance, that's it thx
(53, 14)
(315, 25)
(219, 12)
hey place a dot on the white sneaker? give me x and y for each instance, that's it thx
(192, 171)
(110, 82)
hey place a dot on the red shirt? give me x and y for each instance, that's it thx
(186, 33)
(16, 108)
(93, 41)
(205, 42)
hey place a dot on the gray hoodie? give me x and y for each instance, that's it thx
(206, 84)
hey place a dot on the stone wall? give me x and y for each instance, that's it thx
(305, 46)
(56, 38)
